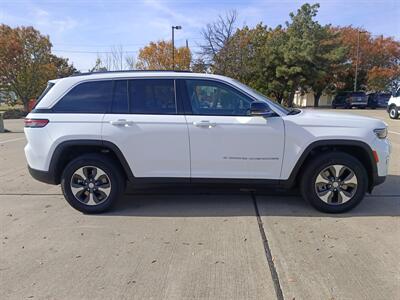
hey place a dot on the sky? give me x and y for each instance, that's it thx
(80, 30)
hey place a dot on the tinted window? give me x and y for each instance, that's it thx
(152, 96)
(120, 97)
(88, 97)
(46, 90)
(213, 98)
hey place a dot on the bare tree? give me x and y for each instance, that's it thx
(114, 60)
(217, 36)
(117, 57)
(130, 62)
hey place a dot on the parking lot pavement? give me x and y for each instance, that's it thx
(198, 244)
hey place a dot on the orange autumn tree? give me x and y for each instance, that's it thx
(26, 62)
(384, 73)
(158, 56)
(378, 61)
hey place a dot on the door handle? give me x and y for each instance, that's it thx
(121, 122)
(205, 124)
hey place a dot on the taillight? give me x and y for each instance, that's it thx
(36, 123)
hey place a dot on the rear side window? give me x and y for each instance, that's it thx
(152, 96)
(87, 97)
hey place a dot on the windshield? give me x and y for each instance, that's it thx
(262, 97)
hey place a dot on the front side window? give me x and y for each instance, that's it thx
(87, 97)
(152, 96)
(214, 98)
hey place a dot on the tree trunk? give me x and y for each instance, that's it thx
(317, 96)
(289, 102)
(26, 105)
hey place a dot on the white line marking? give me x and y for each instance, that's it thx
(394, 132)
(12, 140)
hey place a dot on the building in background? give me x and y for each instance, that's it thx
(302, 99)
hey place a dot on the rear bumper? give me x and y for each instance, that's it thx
(42, 176)
(379, 180)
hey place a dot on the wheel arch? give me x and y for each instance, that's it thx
(360, 150)
(68, 150)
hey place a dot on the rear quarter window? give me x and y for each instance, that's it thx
(87, 97)
(44, 93)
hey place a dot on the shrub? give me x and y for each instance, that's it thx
(14, 114)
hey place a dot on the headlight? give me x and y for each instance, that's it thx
(381, 133)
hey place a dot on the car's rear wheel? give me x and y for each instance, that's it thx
(334, 182)
(92, 183)
(393, 112)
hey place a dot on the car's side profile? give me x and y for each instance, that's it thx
(393, 106)
(93, 133)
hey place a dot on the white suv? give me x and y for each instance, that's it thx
(94, 132)
(393, 107)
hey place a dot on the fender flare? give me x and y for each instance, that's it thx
(54, 167)
(334, 142)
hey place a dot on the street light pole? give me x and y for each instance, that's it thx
(357, 56)
(173, 45)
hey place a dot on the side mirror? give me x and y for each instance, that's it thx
(261, 109)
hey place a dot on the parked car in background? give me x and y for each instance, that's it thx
(357, 99)
(394, 105)
(350, 100)
(340, 100)
(377, 100)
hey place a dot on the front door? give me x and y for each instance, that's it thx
(225, 141)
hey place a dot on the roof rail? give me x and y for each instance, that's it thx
(128, 71)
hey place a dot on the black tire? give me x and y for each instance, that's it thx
(113, 176)
(393, 112)
(323, 161)
(334, 107)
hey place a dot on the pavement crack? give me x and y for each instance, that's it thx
(267, 250)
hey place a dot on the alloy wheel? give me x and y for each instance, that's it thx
(336, 184)
(90, 185)
(392, 113)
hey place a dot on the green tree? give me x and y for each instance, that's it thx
(26, 62)
(329, 56)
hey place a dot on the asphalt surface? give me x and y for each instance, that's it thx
(195, 244)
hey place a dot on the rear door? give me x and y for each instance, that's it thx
(144, 124)
(225, 141)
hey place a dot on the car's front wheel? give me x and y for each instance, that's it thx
(334, 182)
(92, 183)
(393, 112)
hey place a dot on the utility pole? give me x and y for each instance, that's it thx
(173, 44)
(357, 56)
